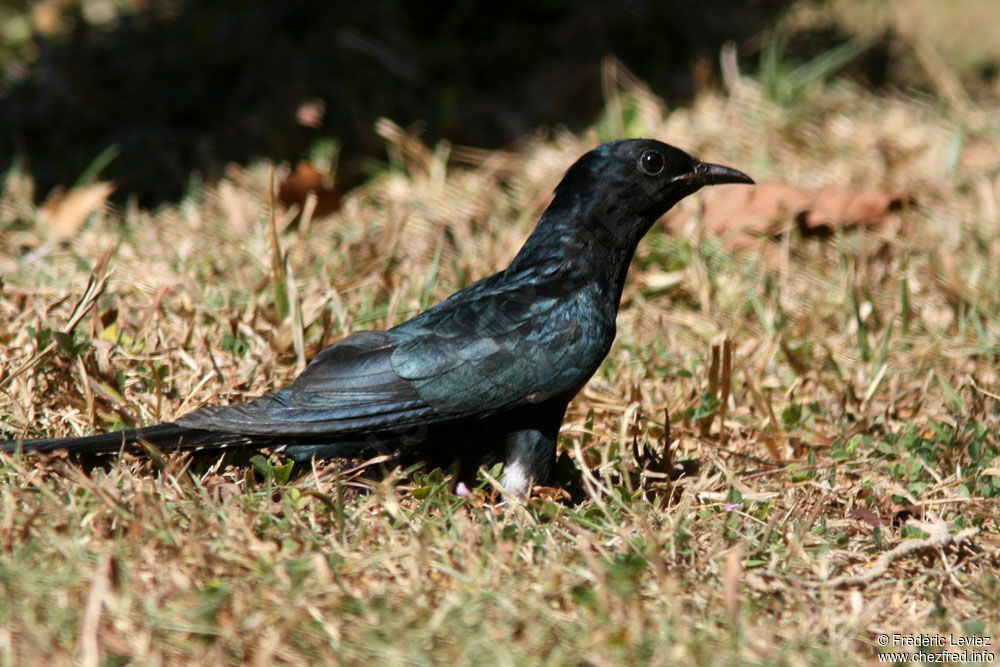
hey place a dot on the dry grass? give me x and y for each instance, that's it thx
(864, 382)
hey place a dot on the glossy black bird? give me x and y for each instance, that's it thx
(486, 374)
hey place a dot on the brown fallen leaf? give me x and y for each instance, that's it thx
(305, 179)
(64, 213)
(833, 206)
(865, 515)
(552, 493)
(897, 518)
(749, 216)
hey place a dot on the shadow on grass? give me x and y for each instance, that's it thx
(184, 88)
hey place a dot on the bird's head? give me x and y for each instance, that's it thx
(635, 181)
(610, 198)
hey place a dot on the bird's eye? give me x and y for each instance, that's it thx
(651, 163)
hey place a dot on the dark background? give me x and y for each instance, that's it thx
(183, 88)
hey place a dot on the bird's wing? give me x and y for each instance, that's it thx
(349, 387)
(486, 352)
(505, 349)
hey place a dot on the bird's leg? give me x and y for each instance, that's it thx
(530, 453)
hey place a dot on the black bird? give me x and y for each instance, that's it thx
(485, 375)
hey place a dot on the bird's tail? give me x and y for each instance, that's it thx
(168, 436)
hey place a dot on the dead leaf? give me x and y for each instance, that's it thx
(747, 216)
(849, 208)
(897, 518)
(64, 214)
(865, 515)
(552, 493)
(305, 179)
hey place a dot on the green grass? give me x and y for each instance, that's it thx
(860, 416)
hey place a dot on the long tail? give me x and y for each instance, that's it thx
(168, 436)
(171, 436)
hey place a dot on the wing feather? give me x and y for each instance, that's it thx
(349, 387)
(507, 353)
(489, 351)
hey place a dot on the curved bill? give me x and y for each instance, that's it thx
(706, 173)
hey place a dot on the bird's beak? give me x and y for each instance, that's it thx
(705, 173)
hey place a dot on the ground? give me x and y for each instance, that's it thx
(830, 473)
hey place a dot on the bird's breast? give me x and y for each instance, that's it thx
(588, 332)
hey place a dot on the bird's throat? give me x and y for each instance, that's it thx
(587, 251)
